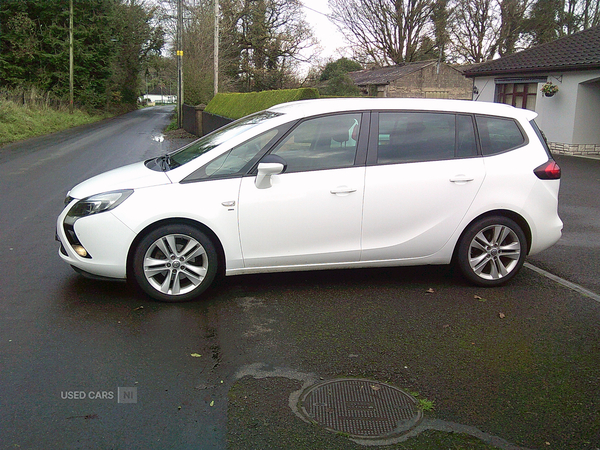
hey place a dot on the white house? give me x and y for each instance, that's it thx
(158, 95)
(570, 118)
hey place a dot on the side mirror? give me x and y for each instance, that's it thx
(270, 165)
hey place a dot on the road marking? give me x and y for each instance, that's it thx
(568, 284)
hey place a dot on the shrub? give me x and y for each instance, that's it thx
(237, 105)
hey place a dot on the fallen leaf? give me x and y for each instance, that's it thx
(195, 355)
(212, 403)
(375, 387)
(430, 291)
(501, 315)
(481, 299)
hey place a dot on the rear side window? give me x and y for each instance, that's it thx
(405, 137)
(498, 134)
(424, 136)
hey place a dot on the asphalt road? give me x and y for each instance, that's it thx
(521, 362)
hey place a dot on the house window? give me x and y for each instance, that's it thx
(519, 95)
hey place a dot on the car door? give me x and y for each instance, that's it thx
(311, 213)
(422, 175)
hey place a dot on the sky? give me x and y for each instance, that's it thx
(329, 36)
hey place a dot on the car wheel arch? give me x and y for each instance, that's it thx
(517, 218)
(178, 221)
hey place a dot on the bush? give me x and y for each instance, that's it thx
(237, 105)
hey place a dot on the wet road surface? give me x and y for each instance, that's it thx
(67, 344)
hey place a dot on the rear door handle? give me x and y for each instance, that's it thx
(461, 179)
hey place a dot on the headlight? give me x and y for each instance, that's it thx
(96, 204)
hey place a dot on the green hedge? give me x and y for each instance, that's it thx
(237, 105)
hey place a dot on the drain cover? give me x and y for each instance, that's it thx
(361, 408)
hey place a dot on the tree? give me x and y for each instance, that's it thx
(512, 13)
(136, 40)
(111, 40)
(263, 41)
(339, 67)
(475, 29)
(552, 19)
(387, 31)
(198, 51)
(440, 17)
(339, 82)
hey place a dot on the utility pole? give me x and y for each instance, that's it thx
(71, 56)
(216, 48)
(180, 63)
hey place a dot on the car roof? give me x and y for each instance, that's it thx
(306, 108)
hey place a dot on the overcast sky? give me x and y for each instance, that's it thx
(330, 38)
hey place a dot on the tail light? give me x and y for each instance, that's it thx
(548, 171)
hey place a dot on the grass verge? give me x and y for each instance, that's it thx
(18, 122)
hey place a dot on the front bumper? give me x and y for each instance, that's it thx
(105, 238)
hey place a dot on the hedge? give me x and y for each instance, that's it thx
(237, 105)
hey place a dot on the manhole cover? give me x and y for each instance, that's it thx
(361, 408)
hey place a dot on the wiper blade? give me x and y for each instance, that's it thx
(164, 162)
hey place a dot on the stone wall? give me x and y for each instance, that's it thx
(575, 149)
(428, 83)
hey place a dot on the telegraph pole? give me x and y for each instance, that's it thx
(216, 48)
(71, 56)
(179, 63)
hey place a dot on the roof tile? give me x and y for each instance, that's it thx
(578, 51)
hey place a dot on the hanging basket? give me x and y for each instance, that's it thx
(549, 89)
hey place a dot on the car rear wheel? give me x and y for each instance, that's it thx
(491, 251)
(175, 263)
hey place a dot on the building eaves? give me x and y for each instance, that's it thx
(580, 51)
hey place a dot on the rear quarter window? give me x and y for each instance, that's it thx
(542, 137)
(498, 134)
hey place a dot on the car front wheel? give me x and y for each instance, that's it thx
(491, 251)
(174, 263)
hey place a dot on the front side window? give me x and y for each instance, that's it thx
(321, 143)
(218, 137)
(498, 134)
(237, 160)
(422, 136)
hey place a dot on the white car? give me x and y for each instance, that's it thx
(324, 184)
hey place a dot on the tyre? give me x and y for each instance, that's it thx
(174, 263)
(491, 251)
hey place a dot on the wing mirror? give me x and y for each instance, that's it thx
(270, 165)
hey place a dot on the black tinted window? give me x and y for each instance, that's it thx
(321, 143)
(498, 135)
(407, 137)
